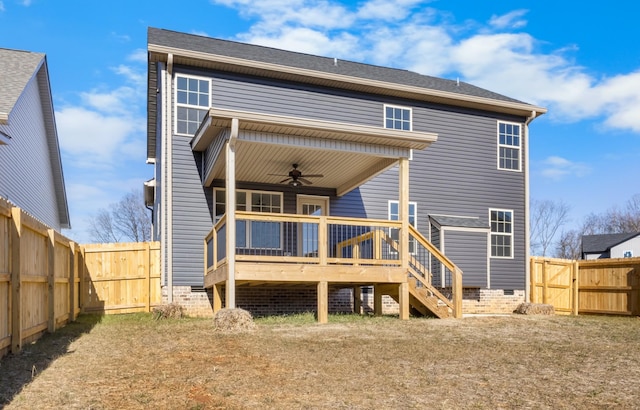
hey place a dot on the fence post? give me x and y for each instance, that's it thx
(51, 280)
(147, 254)
(16, 277)
(545, 282)
(72, 281)
(532, 281)
(576, 288)
(81, 275)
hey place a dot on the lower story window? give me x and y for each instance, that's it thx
(394, 212)
(501, 233)
(253, 234)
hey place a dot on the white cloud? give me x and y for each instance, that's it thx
(1, 6)
(138, 55)
(557, 168)
(406, 34)
(509, 20)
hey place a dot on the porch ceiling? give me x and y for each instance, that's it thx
(346, 155)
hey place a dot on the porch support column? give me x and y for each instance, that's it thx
(377, 300)
(403, 211)
(323, 302)
(403, 299)
(230, 201)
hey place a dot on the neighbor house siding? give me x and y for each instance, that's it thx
(26, 176)
(632, 245)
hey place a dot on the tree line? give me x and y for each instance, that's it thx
(548, 217)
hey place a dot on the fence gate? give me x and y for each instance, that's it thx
(554, 281)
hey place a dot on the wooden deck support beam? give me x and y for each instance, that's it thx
(377, 300)
(403, 300)
(230, 193)
(217, 297)
(357, 300)
(323, 302)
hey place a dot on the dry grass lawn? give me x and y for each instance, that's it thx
(121, 362)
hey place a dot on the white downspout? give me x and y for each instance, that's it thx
(527, 229)
(169, 185)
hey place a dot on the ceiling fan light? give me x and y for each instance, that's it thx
(295, 183)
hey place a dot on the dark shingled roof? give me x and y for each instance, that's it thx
(459, 222)
(604, 242)
(252, 52)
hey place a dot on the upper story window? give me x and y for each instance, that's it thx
(501, 233)
(509, 146)
(192, 102)
(397, 118)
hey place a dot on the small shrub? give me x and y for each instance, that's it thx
(233, 320)
(168, 311)
(535, 309)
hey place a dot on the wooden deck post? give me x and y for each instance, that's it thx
(357, 300)
(403, 299)
(403, 210)
(377, 300)
(217, 297)
(323, 302)
(16, 278)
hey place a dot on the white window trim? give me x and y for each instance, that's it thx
(512, 234)
(248, 193)
(402, 107)
(175, 99)
(508, 146)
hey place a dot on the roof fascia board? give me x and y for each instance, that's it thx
(522, 108)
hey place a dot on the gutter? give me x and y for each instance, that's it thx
(527, 228)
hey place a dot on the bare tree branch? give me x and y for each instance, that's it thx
(546, 218)
(128, 220)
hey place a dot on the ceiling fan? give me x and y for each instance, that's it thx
(296, 178)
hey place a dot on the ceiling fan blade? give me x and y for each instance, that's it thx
(313, 176)
(278, 175)
(284, 180)
(305, 181)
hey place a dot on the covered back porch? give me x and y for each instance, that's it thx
(250, 247)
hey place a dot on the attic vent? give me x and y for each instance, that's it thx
(335, 62)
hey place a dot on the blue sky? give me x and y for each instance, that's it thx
(583, 65)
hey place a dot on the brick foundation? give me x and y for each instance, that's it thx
(265, 301)
(262, 301)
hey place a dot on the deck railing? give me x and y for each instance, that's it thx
(289, 238)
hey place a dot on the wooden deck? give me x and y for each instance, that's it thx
(328, 251)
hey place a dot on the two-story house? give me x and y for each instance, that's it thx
(289, 182)
(31, 174)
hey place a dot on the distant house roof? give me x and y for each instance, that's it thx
(604, 242)
(258, 60)
(458, 222)
(17, 69)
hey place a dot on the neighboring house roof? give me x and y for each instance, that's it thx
(458, 221)
(17, 69)
(603, 243)
(251, 59)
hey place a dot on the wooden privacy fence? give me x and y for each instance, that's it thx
(601, 286)
(46, 279)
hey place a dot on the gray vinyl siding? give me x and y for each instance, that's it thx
(191, 215)
(457, 175)
(26, 176)
(469, 251)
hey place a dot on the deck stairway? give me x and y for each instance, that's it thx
(424, 297)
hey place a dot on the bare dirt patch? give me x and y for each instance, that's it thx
(489, 362)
